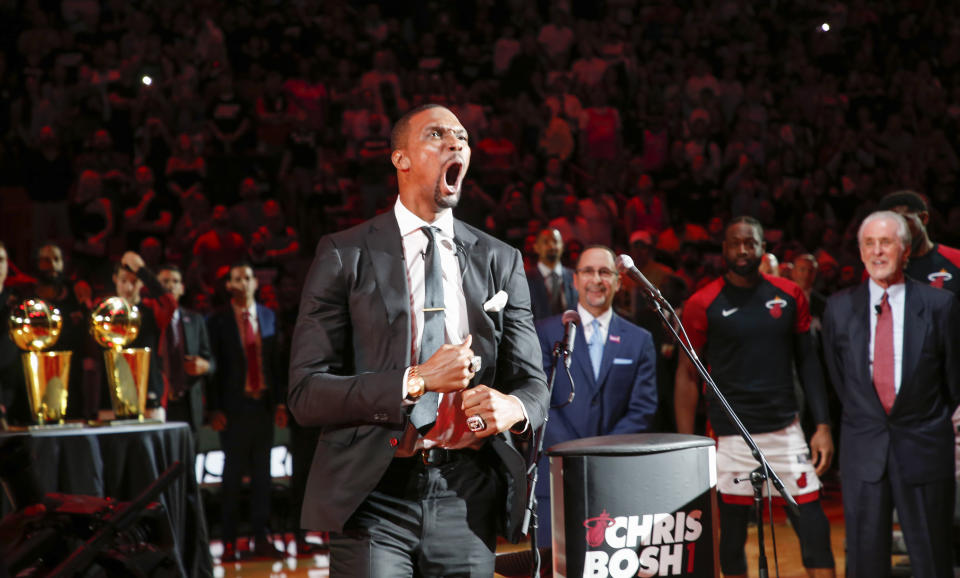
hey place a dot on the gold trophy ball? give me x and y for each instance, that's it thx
(34, 325)
(115, 323)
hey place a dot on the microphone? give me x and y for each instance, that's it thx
(878, 309)
(626, 266)
(570, 321)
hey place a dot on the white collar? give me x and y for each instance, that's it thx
(252, 309)
(895, 292)
(586, 317)
(545, 271)
(409, 222)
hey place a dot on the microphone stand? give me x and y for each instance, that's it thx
(762, 473)
(536, 449)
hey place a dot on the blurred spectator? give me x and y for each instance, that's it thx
(278, 242)
(151, 250)
(229, 120)
(246, 216)
(548, 193)
(805, 275)
(641, 250)
(151, 214)
(496, 157)
(509, 221)
(600, 131)
(556, 37)
(186, 355)
(194, 221)
(72, 297)
(571, 224)
(91, 222)
(769, 265)
(599, 209)
(218, 247)
(551, 284)
(308, 93)
(186, 168)
(49, 172)
(645, 210)
(14, 406)
(274, 115)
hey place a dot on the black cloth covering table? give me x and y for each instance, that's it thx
(120, 462)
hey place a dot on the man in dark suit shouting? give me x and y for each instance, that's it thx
(416, 473)
(893, 351)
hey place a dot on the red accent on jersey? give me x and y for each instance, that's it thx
(695, 312)
(951, 254)
(777, 500)
(794, 290)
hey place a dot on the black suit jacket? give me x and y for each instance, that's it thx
(352, 344)
(196, 341)
(226, 384)
(918, 429)
(539, 298)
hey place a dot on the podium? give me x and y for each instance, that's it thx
(634, 505)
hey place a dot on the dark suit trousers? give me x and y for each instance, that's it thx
(926, 518)
(424, 521)
(246, 443)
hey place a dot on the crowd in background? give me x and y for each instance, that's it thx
(201, 133)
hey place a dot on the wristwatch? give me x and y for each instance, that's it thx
(415, 384)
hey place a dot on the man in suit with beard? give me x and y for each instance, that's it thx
(416, 469)
(892, 346)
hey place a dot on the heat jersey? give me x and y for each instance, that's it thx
(747, 338)
(939, 268)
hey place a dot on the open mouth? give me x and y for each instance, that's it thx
(453, 176)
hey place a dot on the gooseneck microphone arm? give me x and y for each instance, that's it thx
(657, 302)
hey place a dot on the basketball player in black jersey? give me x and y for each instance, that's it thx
(751, 330)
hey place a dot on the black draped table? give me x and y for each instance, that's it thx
(120, 462)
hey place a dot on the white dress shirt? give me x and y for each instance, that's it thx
(586, 322)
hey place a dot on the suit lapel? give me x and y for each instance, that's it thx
(386, 257)
(477, 289)
(860, 334)
(187, 333)
(913, 334)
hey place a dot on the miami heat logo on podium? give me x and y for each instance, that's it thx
(776, 306)
(596, 528)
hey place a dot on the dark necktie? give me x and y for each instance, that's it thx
(424, 413)
(883, 364)
(254, 378)
(556, 294)
(173, 360)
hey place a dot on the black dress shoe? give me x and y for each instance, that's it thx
(266, 549)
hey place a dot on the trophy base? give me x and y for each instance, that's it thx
(133, 421)
(52, 426)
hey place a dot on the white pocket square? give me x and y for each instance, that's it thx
(622, 361)
(496, 303)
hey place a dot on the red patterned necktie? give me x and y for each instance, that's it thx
(883, 364)
(254, 381)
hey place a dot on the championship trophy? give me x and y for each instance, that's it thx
(34, 326)
(114, 324)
